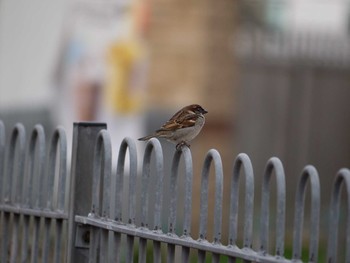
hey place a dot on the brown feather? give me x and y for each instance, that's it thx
(181, 122)
(185, 118)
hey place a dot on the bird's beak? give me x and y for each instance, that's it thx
(204, 111)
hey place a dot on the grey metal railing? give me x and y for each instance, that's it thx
(37, 225)
(28, 196)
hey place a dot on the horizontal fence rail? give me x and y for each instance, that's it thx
(101, 214)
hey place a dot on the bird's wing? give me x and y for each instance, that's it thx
(179, 121)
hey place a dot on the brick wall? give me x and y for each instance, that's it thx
(191, 54)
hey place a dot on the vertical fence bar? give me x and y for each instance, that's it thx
(201, 256)
(142, 250)
(31, 169)
(2, 176)
(216, 257)
(2, 157)
(57, 160)
(117, 196)
(212, 156)
(157, 256)
(231, 260)
(101, 198)
(309, 173)
(117, 207)
(63, 188)
(173, 193)
(63, 191)
(47, 199)
(276, 165)
(342, 178)
(173, 204)
(130, 248)
(171, 253)
(25, 238)
(26, 200)
(46, 239)
(185, 151)
(15, 234)
(12, 180)
(131, 201)
(186, 230)
(117, 204)
(106, 172)
(185, 253)
(36, 146)
(153, 144)
(95, 236)
(2, 179)
(159, 174)
(242, 159)
(17, 190)
(58, 255)
(35, 240)
(57, 163)
(84, 136)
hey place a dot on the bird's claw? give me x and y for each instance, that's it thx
(182, 144)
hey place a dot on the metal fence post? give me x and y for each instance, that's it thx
(84, 137)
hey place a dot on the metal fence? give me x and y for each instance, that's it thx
(47, 216)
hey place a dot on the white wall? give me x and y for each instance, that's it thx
(30, 33)
(321, 16)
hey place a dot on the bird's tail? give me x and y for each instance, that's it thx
(146, 138)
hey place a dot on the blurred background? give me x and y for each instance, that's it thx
(274, 76)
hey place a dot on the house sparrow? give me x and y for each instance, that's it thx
(183, 127)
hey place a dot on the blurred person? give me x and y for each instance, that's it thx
(127, 63)
(126, 77)
(101, 73)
